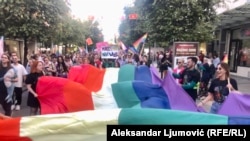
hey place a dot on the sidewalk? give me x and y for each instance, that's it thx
(243, 83)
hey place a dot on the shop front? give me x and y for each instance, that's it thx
(239, 50)
(14, 46)
(233, 37)
(11, 45)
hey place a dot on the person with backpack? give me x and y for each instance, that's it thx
(11, 74)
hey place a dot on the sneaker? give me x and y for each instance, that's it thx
(17, 107)
(13, 107)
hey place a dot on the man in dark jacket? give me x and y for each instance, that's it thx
(191, 78)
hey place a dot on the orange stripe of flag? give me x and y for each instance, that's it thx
(79, 73)
(77, 97)
(10, 129)
(94, 81)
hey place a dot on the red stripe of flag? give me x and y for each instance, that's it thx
(10, 129)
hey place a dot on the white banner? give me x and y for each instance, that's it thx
(1, 46)
(109, 54)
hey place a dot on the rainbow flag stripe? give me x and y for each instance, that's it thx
(137, 43)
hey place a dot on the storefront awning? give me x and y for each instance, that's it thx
(235, 17)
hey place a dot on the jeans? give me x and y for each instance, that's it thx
(215, 107)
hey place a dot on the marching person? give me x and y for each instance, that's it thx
(31, 82)
(179, 69)
(21, 75)
(190, 78)
(4, 67)
(220, 88)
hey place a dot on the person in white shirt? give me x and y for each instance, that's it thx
(216, 60)
(21, 74)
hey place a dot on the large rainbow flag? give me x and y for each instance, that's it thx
(90, 88)
(80, 107)
(91, 125)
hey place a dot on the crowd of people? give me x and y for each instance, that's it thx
(201, 76)
(14, 75)
(192, 74)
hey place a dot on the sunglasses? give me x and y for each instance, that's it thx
(219, 68)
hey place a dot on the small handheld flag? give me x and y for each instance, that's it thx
(123, 46)
(89, 41)
(137, 43)
(225, 59)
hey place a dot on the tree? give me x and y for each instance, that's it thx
(31, 19)
(75, 32)
(130, 29)
(173, 20)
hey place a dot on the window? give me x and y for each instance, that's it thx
(244, 53)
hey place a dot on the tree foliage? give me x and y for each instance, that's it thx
(46, 21)
(31, 18)
(171, 20)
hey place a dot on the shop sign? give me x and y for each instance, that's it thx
(186, 48)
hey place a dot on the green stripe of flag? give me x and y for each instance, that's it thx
(125, 95)
(126, 73)
(164, 116)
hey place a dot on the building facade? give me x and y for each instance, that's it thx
(11, 45)
(233, 36)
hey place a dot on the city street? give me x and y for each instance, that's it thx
(243, 84)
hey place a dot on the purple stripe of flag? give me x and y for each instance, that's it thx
(178, 98)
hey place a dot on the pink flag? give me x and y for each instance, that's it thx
(123, 46)
(100, 45)
(1, 46)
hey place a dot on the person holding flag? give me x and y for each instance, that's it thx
(88, 43)
(220, 88)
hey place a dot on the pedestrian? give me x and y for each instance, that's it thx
(220, 88)
(21, 76)
(31, 82)
(190, 77)
(4, 67)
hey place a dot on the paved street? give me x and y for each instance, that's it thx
(243, 85)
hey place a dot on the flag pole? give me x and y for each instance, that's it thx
(228, 82)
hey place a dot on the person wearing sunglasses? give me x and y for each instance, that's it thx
(179, 69)
(220, 88)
